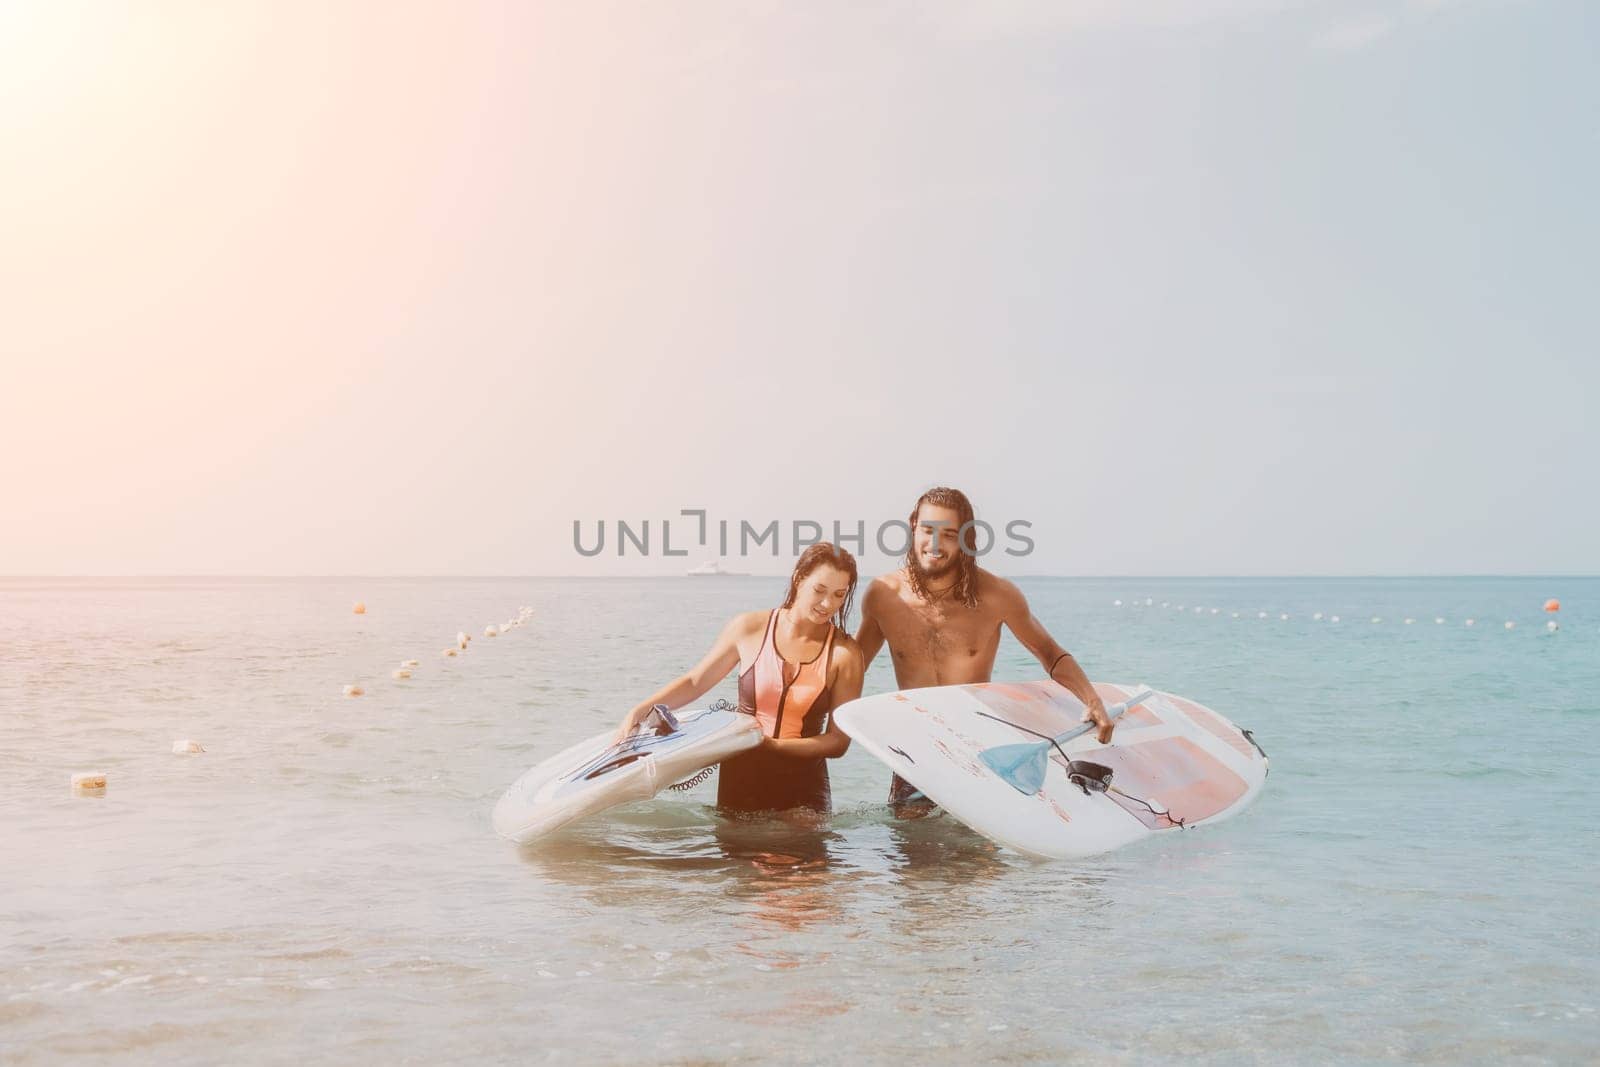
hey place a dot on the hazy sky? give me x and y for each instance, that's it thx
(1194, 288)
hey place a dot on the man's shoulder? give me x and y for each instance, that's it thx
(1001, 592)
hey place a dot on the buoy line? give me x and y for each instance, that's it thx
(1550, 608)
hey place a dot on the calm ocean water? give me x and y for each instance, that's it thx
(1416, 883)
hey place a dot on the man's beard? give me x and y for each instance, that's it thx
(946, 564)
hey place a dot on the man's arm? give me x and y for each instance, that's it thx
(1058, 663)
(870, 636)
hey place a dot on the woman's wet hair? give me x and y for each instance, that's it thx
(966, 588)
(810, 560)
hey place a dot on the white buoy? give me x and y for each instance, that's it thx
(408, 663)
(1469, 622)
(89, 782)
(491, 630)
(1236, 614)
(1178, 608)
(1283, 618)
(1552, 626)
(1438, 620)
(359, 608)
(353, 691)
(1510, 625)
(1164, 603)
(1148, 601)
(1410, 621)
(1198, 609)
(1261, 614)
(1377, 618)
(186, 747)
(1215, 610)
(1334, 619)
(1317, 617)
(1116, 603)
(402, 674)
(448, 651)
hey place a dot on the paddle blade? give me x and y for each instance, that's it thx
(1021, 766)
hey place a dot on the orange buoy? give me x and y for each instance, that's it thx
(1552, 604)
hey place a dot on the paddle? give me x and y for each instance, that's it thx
(1023, 765)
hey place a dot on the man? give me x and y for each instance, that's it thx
(941, 615)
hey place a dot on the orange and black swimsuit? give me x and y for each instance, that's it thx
(789, 700)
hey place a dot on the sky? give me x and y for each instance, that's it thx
(1209, 288)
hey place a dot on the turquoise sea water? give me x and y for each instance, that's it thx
(1416, 883)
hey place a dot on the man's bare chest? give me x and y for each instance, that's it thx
(939, 629)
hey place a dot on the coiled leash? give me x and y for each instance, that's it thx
(705, 772)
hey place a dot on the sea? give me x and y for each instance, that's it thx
(1417, 882)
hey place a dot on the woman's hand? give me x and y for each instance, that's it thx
(684, 691)
(630, 723)
(830, 744)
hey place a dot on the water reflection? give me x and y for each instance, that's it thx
(785, 868)
(674, 836)
(935, 850)
(785, 873)
(796, 889)
(611, 858)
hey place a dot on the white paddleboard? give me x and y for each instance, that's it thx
(597, 774)
(1174, 763)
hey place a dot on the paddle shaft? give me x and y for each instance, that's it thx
(1113, 713)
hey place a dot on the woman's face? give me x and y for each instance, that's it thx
(820, 594)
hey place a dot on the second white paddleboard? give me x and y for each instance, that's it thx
(1174, 763)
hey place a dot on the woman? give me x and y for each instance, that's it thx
(796, 664)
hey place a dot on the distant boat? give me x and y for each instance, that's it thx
(713, 569)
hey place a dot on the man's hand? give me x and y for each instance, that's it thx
(1096, 713)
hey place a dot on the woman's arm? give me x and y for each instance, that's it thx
(701, 679)
(832, 742)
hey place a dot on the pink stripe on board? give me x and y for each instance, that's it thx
(1049, 708)
(1190, 782)
(1212, 723)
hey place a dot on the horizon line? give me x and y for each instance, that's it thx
(635, 577)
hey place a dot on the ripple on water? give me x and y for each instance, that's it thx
(336, 860)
